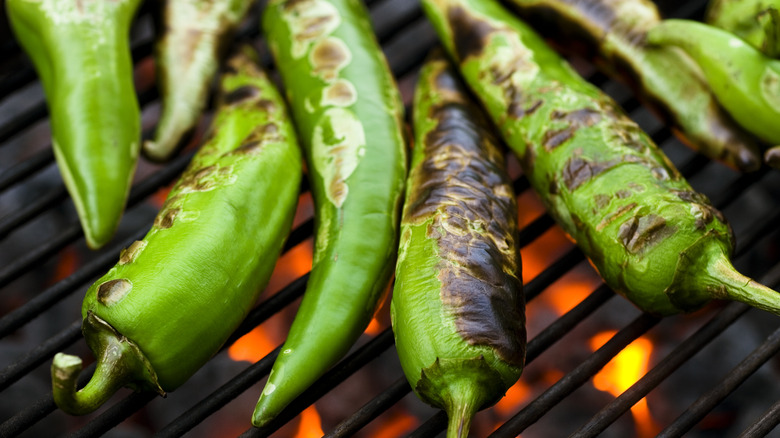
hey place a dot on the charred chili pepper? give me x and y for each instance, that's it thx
(348, 113)
(457, 309)
(746, 81)
(755, 21)
(175, 296)
(652, 238)
(193, 36)
(81, 52)
(664, 78)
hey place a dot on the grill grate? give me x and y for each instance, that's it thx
(38, 225)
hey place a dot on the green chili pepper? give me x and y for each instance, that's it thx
(81, 52)
(193, 35)
(746, 81)
(175, 297)
(755, 21)
(665, 78)
(651, 237)
(348, 113)
(458, 309)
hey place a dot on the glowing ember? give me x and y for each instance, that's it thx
(310, 425)
(159, 197)
(543, 252)
(622, 372)
(66, 265)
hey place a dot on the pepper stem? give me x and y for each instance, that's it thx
(705, 272)
(465, 401)
(119, 363)
(738, 287)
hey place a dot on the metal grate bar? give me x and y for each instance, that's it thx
(574, 379)
(665, 367)
(765, 424)
(328, 381)
(40, 354)
(371, 410)
(725, 386)
(219, 398)
(29, 212)
(115, 415)
(141, 191)
(38, 410)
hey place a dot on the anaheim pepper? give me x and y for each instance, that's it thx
(652, 237)
(348, 113)
(174, 297)
(664, 78)
(457, 309)
(81, 51)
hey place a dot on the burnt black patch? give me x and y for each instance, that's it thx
(242, 94)
(166, 218)
(554, 138)
(470, 33)
(642, 232)
(462, 183)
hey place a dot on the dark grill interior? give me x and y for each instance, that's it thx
(712, 373)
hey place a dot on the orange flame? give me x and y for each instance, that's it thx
(571, 289)
(622, 372)
(252, 347)
(310, 425)
(400, 424)
(515, 396)
(374, 327)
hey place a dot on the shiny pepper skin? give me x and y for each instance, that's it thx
(746, 81)
(457, 309)
(652, 238)
(174, 297)
(664, 78)
(81, 51)
(755, 21)
(193, 36)
(349, 117)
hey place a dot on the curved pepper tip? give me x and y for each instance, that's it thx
(264, 412)
(157, 151)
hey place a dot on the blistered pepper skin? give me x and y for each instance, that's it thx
(755, 21)
(193, 37)
(348, 113)
(457, 308)
(81, 52)
(652, 238)
(746, 81)
(174, 297)
(665, 78)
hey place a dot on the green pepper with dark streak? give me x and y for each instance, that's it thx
(652, 238)
(746, 81)
(755, 21)
(349, 117)
(174, 297)
(664, 78)
(193, 35)
(81, 51)
(458, 309)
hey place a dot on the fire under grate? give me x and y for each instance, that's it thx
(711, 373)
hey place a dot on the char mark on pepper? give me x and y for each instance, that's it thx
(474, 214)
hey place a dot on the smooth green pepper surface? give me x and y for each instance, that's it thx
(665, 78)
(81, 52)
(755, 21)
(175, 296)
(652, 238)
(458, 309)
(746, 81)
(192, 38)
(348, 113)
